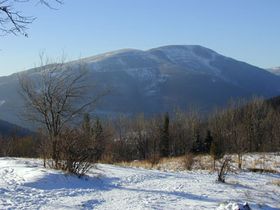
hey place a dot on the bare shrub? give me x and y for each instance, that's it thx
(224, 169)
(76, 157)
(216, 153)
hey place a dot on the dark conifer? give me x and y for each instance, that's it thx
(165, 137)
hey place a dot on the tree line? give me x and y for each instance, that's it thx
(241, 127)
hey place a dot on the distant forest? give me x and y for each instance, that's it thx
(239, 128)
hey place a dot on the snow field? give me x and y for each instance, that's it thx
(25, 184)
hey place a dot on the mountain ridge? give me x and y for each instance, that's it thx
(160, 79)
(9, 129)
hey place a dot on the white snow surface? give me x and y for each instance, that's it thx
(25, 184)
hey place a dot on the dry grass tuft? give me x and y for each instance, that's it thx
(188, 161)
(137, 164)
(258, 162)
(276, 182)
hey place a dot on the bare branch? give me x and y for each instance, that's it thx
(56, 97)
(13, 21)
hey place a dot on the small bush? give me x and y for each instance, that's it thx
(224, 169)
(75, 155)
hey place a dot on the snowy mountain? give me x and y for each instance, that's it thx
(275, 70)
(159, 80)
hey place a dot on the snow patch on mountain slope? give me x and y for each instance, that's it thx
(195, 57)
(143, 74)
(2, 102)
(111, 54)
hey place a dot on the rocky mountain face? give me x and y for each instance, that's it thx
(158, 80)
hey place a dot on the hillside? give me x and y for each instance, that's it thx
(158, 80)
(8, 129)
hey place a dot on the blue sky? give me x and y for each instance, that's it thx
(246, 30)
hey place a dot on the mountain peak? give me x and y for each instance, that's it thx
(183, 47)
(195, 49)
(185, 52)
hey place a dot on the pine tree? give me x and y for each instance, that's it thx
(165, 137)
(85, 140)
(208, 141)
(98, 138)
(93, 137)
(86, 126)
(196, 143)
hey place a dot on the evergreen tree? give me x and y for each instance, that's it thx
(98, 138)
(85, 140)
(208, 141)
(93, 137)
(86, 125)
(198, 144)
(165, 137)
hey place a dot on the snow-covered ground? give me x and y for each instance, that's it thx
(25, 184)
